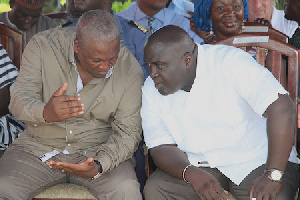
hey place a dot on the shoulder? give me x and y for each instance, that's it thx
(127, 60)
(129, 23)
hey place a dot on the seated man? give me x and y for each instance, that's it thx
(10, 128)
(215, 124)
(153, 15)
(79, 94)
(25, 16)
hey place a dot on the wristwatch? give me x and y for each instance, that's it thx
(99, 170)
(274, 175)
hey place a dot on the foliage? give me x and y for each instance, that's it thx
(4, 7)
(118, 6)
(279, 4)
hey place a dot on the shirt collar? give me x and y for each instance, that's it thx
(139, 14)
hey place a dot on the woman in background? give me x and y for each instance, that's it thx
(214, 20)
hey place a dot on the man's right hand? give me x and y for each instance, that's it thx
(61, 107)
(206, 186)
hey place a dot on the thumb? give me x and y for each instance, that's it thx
(61, 90)
(89, 160)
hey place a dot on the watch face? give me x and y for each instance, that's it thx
(276, 175)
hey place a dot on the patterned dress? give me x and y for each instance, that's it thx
(10, 128)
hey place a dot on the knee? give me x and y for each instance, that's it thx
(6, 190)
(129, 188)
(151, 189)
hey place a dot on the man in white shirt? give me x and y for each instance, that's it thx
(215, 121)
(266, 10)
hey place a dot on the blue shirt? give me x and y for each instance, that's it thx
(133, 38)
(181, 6)
(162, 18)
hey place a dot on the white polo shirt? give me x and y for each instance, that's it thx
(220, 120)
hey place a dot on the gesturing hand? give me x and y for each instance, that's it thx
(205, 185)
(264, 189)
(86, 169)
(61, 107)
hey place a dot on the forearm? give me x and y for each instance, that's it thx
(281, 125)
(170, 159)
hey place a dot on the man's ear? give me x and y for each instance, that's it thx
(76, 46)
(188, 60)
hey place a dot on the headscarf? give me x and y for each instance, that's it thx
(201, 15)
(31, 4)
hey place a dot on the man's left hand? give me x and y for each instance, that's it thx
(264, 189)
(86, 169)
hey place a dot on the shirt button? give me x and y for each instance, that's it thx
(69, 145)
(71, 131)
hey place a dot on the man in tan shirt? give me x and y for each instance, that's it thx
(79, 94)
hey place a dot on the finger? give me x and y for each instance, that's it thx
(87, 162)
(61, 90)
(68, 98)
(189, 12)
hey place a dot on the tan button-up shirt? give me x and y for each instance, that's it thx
(110, 128)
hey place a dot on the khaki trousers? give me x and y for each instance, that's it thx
(23, 176)
(163, 186)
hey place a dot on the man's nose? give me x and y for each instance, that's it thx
(153, 72)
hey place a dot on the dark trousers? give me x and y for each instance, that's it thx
(163, 186)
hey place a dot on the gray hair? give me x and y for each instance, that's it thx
(97, 25)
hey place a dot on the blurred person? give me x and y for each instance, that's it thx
(292, 12)
(70, 8)
(10, 128)
(153, 14)
(25, 16)
(262, 10)
(216, 23)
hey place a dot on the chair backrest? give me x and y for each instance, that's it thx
(253, 27)
(286, 75)
(12, 42)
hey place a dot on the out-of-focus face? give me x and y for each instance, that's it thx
(166, 68)
(23, 18)
(260, 9)
(227, 17)
(97, 58)
(292, 10)
(70, 7)
(152, 4)
(86, 5)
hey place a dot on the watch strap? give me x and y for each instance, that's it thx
(99, 170)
